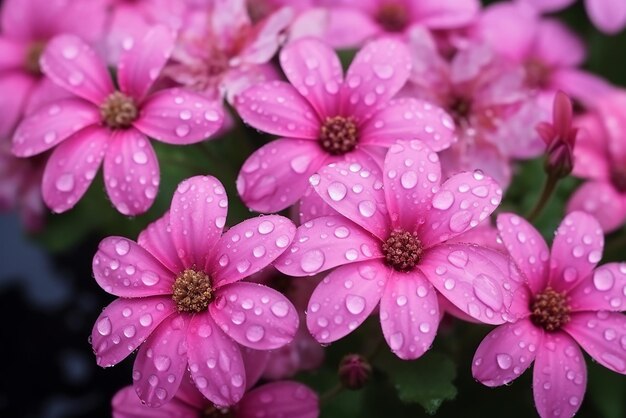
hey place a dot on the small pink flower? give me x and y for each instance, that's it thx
(324, 118)
(101, 123)
(180, 291)
(390, 244)
(568, 303)
(272, 400)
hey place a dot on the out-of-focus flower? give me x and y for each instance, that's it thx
(390, 246)
(27, 27)
(600, 157)
(568, 303)
(323, 118)
(354, 371)
(181, 299)
(100, 122)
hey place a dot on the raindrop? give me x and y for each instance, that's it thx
(355, 304)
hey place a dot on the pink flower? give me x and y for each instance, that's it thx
(323, 118)
(101, 123)
(180, 291)
(568, 304)
(286, 399)
(600, 157)
(389, 244)
(27, 26)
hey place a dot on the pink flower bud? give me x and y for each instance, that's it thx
(354, 371)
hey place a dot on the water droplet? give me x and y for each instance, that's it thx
(443, 200)
(265, 227)
(396, 341)
(122, 247)
(162, 363)
(280, 309)
(312, 261)
(146, 320)
(255, 333)
(383, 71)
(337, 191)
(182, 131)
(409, 180)
(65, 183)
(603, 280)
(367, 208)
(140, 157)
(488, 291)
(104, 326)
(355, 304)
(504, 361)
(458, 258)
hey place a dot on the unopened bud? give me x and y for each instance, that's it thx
(354, 371)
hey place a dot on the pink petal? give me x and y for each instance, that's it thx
(179, 117)
(407, 119)
(249, 247)
(576, 250)
(126, 404)
(608, 16)
(215, 362)
(45, 92)
(409, 314)
(527, 249)
(277, 108)
(556, 46)
(605, 290)
(228, 19)
(157, 239)
(16, 88)
(125, 324)
(311, 206)
(52, 124)
(506, 352)
(73, 65)
(345, 27)
(327, 242)
(344, 299)
(548, 5)
(288, 399)
(123, 268)
(161, 362)
(379, 70)
(141, 64)
(581, 85)
(255, 316)
(476, 280)
(356, 192)
(267, 36)
(446, 14)
(197, 218)
(411, 173)
(255, 362)
(72, 167)
(600, 200)
(314, 70)
(276, 175)
(462, 202)
(559, 376)
(12, 54)
(131, 172)
(590, 152)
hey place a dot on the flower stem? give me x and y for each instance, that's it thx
(546, 194)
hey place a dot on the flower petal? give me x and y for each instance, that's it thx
(215, 362)
(52, 124)
(608, 16)
(126, 404)
(576, 250)
(527, 249)
(556, 45)
(287, 399)
(327, 242)
(125, 324)
(157, 239)
(559, 376)
(72, 167)
(409, 314)
(446, 14)
(255, 362)
(16, 88)
(603, 335)
(462, 202)
(179, 117)
(602, 201)
(131, 172)
(254, 315)
(314, 69)
(584, 86)
(590, 152)
(249, 247)
(141, 64)
(197, 218)
(604, 290)
(73, 65)
(344, 299)
(277, 108)
(506, 352)
(161, 362)
(276, 175)
(123, 268)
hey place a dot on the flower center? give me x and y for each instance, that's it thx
(402, 250)
(618, 178)
(460, 109)
(192, 291)
(338, 135)
(550, 310)
(537, 73)
(119, 111)
(215, 412)
(33, 54)
(393, 17)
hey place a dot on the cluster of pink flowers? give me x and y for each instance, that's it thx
(393, 171)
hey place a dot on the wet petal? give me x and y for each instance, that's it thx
(608, 16)
(16, 88)
(446, 14)
(126, 404)
(255, 362)
(604, 289)
(327, 242)
(602, 201)
(280, 399)
(344, 299)
(157, 239)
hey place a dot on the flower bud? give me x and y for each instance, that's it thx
(354, 371)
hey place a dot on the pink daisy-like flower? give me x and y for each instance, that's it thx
(323, 118)
(181, 299)
(390, 245)
(101, 122)
(569, 303)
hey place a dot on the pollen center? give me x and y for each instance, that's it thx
(192, 291)
(550, 310)
(338, 135)
(33, 54)
(393, 17)
(402, 250)
(119, 111)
